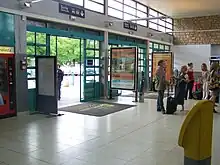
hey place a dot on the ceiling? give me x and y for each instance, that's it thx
(185, 8)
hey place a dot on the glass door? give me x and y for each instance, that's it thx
(90, 70)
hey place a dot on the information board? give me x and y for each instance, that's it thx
(123, 68)
(168, 58)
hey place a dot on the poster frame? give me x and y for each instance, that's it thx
(135, 68)
(172, 60)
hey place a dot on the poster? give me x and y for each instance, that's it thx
(123, 64)
(167, 57)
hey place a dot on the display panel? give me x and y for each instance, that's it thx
(46, 77)
(168, 58)
(123, 68)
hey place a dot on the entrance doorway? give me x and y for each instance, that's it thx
(68, 52)
(79, 57)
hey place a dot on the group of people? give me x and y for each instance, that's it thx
(184, 83)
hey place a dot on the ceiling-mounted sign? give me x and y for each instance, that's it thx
(130, 26)
(71, 10)
(6, 50)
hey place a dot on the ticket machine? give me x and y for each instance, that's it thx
(7, 85)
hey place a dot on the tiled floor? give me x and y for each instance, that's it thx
(137, 136)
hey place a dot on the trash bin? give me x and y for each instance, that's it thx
(196, 134)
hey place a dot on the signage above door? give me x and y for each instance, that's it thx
(130, 26)
(71, 10)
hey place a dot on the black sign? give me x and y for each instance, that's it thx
(71, 10)
(130, 26)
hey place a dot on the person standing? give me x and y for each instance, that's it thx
(205, 81)
(214, 83)
(182, 80)
(190, 83)
(160, 85)
(60, 76)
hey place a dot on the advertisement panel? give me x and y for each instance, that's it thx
(122, 68)
(168, 58)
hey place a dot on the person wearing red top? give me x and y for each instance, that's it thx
(190, 83)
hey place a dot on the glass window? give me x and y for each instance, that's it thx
(169, 20)
(128, 17)
(141, 14)
(31, 73)
(94, 6)
(141, 7)
(130, 3)
(90, 44)
(115, 13)
(31, 84)
(40, 38)
(170, 26)
(156, 46)
(30, 37)
(153, 13)
(116, 5)
(167, 47)
(162, 23)
(30, 61)
(154, 20)
(150, 44)
(30, 50)
(152, 25)
(168, 30)
(98, 1)
(162, 29)
(41, 50)
(143, 23)
(77, 2)
(129, 10)
(162, 47)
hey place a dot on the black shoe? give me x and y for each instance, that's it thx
(163, 112)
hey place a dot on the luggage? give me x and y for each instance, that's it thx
(197, 91)
(171, 107)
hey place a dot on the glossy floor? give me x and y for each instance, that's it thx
(137, 136)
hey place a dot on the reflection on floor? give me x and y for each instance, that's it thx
(136, 136)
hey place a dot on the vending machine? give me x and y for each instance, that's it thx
(7, 86)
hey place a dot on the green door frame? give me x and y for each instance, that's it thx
(62, 33)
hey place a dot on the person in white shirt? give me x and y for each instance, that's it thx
(205, 81)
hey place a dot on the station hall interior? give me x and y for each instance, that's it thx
(77, 82)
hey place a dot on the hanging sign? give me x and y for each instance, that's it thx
(6, 50)
(168, 58)
(130, 26)
(123, 68)
(71, 10)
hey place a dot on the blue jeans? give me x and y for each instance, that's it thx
(160, 105)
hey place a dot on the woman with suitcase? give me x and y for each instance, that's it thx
(181, 84)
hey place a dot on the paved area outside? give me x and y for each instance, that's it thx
(137, 136)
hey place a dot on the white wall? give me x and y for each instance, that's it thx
(197, 54)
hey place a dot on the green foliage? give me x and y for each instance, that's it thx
(68, 49)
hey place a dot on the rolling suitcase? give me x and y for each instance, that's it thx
(171, 107)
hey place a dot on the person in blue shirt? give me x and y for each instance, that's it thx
(60, 76)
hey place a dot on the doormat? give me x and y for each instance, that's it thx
(98, 109)
(146, 95)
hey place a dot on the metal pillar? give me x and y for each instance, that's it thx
(20, 54)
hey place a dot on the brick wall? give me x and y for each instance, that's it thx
(197, 23)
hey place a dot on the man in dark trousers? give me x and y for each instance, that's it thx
(60, 75)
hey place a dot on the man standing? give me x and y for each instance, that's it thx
(160, 85)
(60, 75)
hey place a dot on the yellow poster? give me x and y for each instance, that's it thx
(167, 57)
(6, 50)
